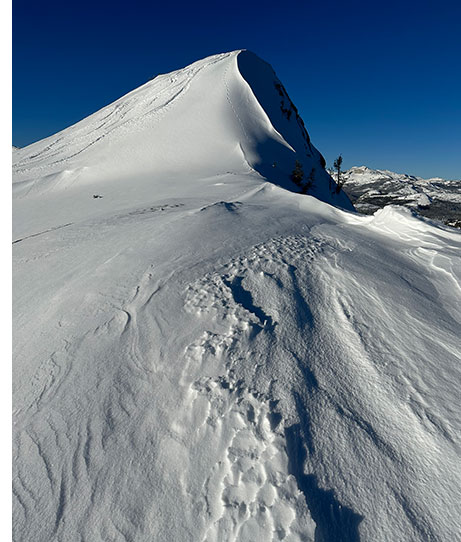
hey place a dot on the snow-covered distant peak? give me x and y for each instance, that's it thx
(365, 174)
(371, 189)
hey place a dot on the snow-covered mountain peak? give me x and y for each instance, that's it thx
(229, 106)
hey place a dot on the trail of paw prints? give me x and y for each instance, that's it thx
(228, 301)
(249, 494)
(213, 294)
(228, 323)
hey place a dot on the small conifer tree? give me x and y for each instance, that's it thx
(337, 165)
(297, 175)
(309, 182)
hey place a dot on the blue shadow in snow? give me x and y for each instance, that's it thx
(334, 521)
(243, 297)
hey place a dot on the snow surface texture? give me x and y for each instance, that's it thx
(372, 189)
(201, 354)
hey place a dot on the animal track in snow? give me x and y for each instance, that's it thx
(249, 493)
(238, 302)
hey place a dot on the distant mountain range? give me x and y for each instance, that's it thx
(372, 189)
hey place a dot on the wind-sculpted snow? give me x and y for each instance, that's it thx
(206, 356)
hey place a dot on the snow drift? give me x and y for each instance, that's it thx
(201, 354)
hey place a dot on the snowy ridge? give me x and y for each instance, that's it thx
(144, 140)
(201, 354)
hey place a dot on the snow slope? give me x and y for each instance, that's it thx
(203, 120)
(202, 354)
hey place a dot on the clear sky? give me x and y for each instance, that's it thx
(379, 82)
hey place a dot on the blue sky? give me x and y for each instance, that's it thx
(379, 82)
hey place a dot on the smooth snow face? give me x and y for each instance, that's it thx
(202, 355)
